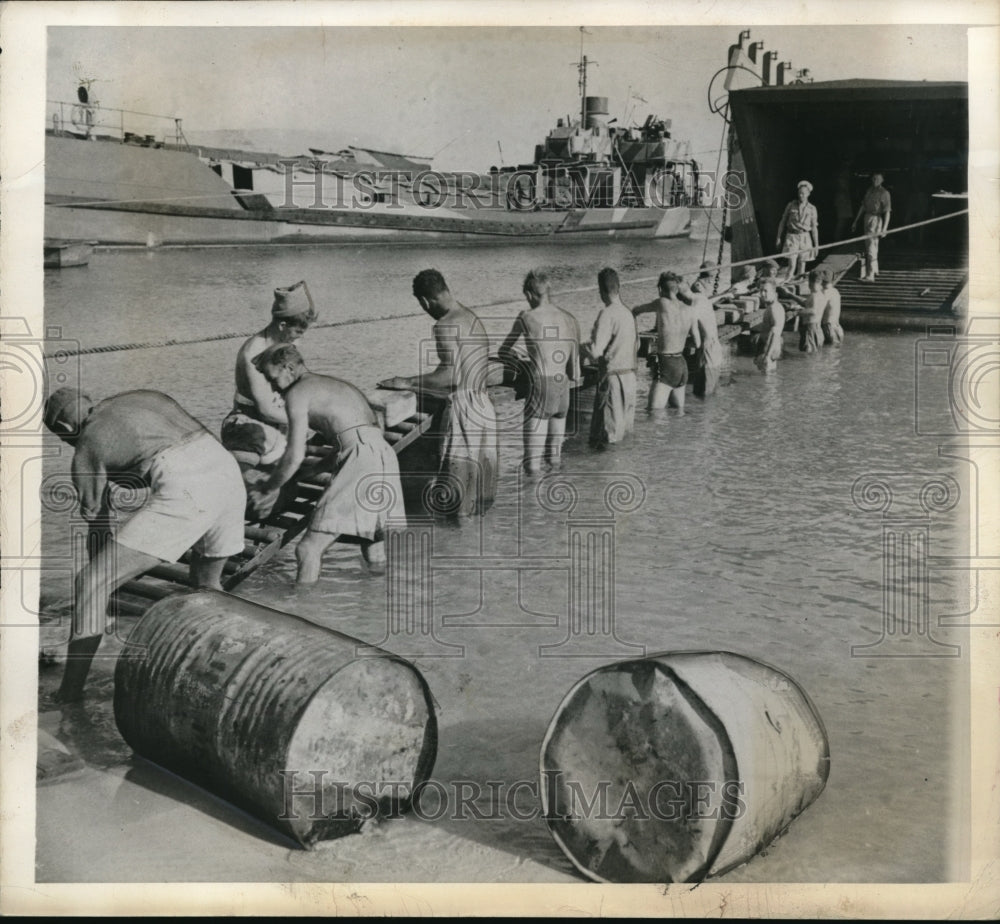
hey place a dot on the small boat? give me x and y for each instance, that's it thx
(67, 253)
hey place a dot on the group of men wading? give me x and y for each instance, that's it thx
(201, 490)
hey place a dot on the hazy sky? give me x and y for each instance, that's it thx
(457, 92)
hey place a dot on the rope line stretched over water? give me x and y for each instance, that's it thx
(236, 335)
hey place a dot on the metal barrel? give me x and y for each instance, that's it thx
(310, 730)
(679, 766)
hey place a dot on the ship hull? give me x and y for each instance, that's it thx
(123, 194)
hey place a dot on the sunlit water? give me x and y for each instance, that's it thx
(747, 540)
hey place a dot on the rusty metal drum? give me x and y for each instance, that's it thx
(310, 730)
(679, 766)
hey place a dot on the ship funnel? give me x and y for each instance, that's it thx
(770, 71)
(596, 108)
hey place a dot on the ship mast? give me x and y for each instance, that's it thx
(582, 82)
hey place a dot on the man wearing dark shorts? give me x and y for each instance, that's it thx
(675, 321)
(552, 339)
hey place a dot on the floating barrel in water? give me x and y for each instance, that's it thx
(679, 766)
(310, 730)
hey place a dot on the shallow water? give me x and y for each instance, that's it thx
(746, 539)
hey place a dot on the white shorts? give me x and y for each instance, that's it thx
(197, 499)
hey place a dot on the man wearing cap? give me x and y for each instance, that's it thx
(196, 500)
(799, 230)
(675, 322)
(876, 207)
(255, 428)
(365, 491)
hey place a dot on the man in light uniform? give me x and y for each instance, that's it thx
(876, 209)
(799, 230)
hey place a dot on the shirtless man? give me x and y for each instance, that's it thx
(366, 466)
(552, 338)
(469, 454)
(675, 321)
(709, 356)
(613, 346)
(770, 347)
(833, 333)
(813, 304)
(255, 428)
(196, 499)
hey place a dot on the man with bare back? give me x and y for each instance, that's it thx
(365, 491)
(675, 321)
(552, 339)
(469, 450)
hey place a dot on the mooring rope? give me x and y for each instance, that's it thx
(236, 335)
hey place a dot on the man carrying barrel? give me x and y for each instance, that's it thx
(364, 493)
(142, 439)
(255, 428)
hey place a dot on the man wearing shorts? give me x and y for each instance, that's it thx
(552, 339)
(196, 500)
(798, 230)
(254, 430)
(675, 322)
(365, 491)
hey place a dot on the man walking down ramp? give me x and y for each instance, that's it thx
(876, 209)
(675, 321)
(196, 499)
(365, 492)
(613, 345)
